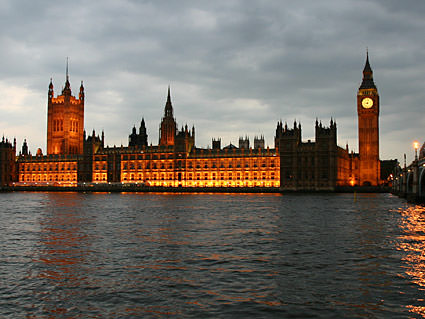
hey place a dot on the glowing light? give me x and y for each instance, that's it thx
(416, 145)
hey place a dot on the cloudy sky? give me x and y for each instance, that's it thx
(235, 67)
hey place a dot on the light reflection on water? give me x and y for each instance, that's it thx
(72, 255)
(412, 242)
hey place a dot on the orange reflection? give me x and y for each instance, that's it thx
(62, 253)
(413, 244)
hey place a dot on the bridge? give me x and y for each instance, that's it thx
(409, 182)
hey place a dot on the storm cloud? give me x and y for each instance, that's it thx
(235, 67)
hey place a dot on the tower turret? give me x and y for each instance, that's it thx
(141, 139)
(81, 95)
(24, 148)
(142, 128)
(50, 92)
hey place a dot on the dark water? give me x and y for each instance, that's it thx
(71, 255)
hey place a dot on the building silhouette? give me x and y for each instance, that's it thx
(140, 139)
(293, 164)
(7, 162)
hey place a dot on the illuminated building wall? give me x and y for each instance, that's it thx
(65, 121)
(201, 168)
(55, 170)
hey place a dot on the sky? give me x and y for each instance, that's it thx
(235, 68)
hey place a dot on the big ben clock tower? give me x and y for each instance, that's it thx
(368, 115)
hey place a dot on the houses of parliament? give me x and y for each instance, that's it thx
(75, 157)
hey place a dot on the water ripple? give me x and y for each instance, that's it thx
(72, 255)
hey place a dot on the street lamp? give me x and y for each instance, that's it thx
(416, 146)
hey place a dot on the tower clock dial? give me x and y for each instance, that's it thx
(367, 103)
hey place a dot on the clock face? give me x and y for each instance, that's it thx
(367, 102)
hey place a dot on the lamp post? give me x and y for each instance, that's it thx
(416, 146)
(415, 167)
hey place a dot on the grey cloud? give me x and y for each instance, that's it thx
(297, 60)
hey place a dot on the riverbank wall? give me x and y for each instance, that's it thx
(146, 189)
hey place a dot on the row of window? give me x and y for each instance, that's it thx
(198, 176)
(289, 175)
(48, 178)
(58, 125)
(148, 156)
(49, 167)
(198, 165)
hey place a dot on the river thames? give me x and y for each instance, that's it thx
(77, 255)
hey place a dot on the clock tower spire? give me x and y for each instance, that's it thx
(368, 122)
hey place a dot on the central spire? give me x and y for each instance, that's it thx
(67, 88)
(168, 112)
(67, 76)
